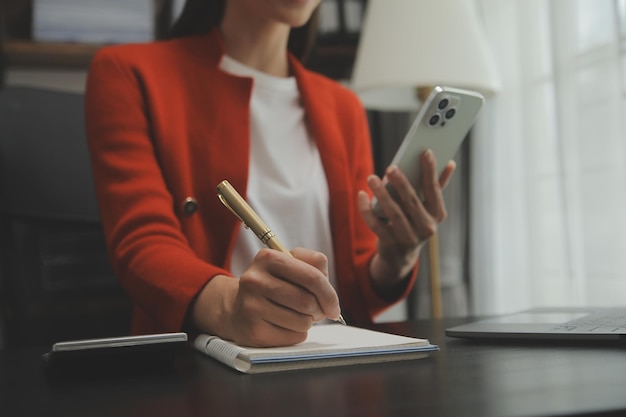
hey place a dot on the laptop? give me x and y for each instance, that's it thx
(573, 323)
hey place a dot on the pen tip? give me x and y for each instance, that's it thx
(342, 320)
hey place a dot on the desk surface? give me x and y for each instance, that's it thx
(465, 378)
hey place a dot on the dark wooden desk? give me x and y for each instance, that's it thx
(464, 379)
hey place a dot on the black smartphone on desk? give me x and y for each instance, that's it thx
(441, 125)
(115, 355)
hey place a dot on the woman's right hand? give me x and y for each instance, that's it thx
(274, 302)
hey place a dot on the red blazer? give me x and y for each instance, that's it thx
(164, 125)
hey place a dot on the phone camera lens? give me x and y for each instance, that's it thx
(443, 104)
(434, 120)
(450, 113)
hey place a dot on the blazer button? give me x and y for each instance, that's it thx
(189, 206)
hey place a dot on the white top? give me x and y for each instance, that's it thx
(287, 185)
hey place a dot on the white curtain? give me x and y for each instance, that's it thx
(548, 158)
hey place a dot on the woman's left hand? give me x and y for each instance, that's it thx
(410, 220)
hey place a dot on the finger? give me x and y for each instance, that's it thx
(383, 229)
(412, 211)
(270, 335)
(411, 202)
(387, 204)
(294, 299)
(276, 276)
(379, 227)
(313, 258)
(267, 297)
(303, 270)
(315, 280)
(433, 197)
(260, 332)
(444, 178)
(396, 220)
(276, 301)
(286, 317)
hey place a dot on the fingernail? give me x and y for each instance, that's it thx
(372, 180)
(392, 170)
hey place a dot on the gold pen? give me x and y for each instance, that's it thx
(240, 208)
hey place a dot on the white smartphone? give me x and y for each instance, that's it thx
(139, 343)
(441, 125)
(114, 355)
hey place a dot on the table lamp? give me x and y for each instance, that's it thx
(409, 46)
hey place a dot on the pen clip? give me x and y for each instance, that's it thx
(225, 203)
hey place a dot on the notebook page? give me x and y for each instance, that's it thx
(332, 340)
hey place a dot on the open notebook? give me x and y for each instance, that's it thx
(326, 345)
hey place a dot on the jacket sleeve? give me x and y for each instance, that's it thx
(149, 253)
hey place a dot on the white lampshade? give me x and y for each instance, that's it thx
(407, 44)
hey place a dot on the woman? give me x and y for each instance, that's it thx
(167, 121)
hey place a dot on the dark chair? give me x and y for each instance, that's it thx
(56, 282)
